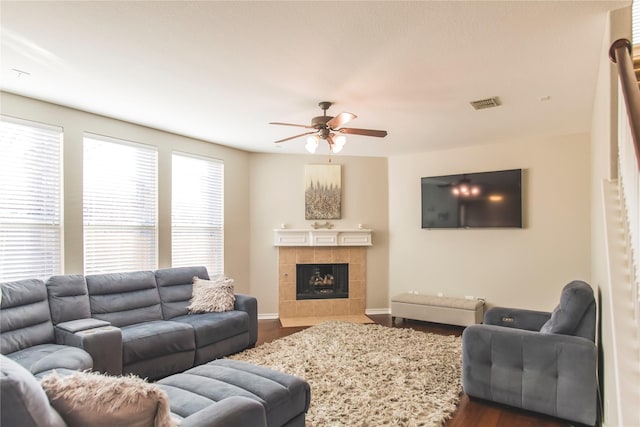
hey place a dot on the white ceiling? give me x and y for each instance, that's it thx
(220, 71)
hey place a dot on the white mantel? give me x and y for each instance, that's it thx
(321, 237)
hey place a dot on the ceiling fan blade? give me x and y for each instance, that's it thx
(296, 136)
(291, 124)
(340, 120)
(365, 132)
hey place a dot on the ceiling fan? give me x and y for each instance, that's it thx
(325, 128)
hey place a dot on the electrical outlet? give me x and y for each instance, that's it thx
(468, 297)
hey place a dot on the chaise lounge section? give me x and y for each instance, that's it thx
(224, 393)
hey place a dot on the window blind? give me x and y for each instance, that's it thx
(119, 205)
(197, 223)
(30, 200)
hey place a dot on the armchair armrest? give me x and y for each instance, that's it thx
(529, 320)
(249, 305)
(548, 373)
(98, 338)
(233, 411)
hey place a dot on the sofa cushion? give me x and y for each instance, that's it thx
(25, 319)
(124, 298)
(214, 327)
(43, 357)
(175, 288)
(283, 396)
(212, 295)
(22, 400)
(90, 399)
(68, 298)
(153, 339)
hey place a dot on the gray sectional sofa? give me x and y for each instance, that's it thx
(138, 323)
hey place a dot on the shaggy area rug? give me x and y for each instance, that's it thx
(369, 375)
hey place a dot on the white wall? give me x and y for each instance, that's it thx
(75, 122)
(277, 196)
(508, 267)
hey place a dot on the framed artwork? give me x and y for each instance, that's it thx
(322, 192)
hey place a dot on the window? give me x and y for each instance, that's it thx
(30, 200)
(197, 223)
(119, 205)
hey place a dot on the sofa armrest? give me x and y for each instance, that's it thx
(549, 373)
(529, 320)
(98, 338)
(78, 325)
(233, 411)
(249, 305)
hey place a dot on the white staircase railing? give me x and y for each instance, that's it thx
(622, 218)
(629, 182)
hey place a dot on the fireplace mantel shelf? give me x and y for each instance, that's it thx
(316, 237)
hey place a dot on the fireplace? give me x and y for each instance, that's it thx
(352, 292)
(322, 281)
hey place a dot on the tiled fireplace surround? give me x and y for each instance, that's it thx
(288, 257)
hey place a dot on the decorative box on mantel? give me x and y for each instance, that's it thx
(306, 237)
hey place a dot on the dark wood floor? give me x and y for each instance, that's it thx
(470, 413)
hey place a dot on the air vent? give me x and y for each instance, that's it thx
(481, 104)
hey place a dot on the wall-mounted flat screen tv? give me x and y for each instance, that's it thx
(473, 200)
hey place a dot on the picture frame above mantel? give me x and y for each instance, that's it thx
(323, 192)
(332, 237)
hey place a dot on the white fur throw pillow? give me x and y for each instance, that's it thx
(212, 295)
(91, 399)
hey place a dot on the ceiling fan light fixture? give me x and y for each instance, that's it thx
(336, 143)
(325, 128)
(312, 144)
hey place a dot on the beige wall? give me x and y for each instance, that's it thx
(76, 122)
(508, 267)
(277, 196)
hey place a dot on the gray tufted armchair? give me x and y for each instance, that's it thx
(539, 361)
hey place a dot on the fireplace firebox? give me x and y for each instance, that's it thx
(322, 281)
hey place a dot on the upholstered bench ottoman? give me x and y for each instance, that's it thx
(285, 398)
(429, 308)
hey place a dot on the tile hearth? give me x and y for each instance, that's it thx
(289, 307)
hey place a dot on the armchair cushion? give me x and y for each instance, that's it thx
(576, 303)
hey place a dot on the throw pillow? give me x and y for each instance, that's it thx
(92, 399)
(212, 295)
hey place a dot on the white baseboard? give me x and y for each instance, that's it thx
(377, 311)
(268, 316)
(274, 316)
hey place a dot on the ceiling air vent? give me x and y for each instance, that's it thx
(481, 104)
